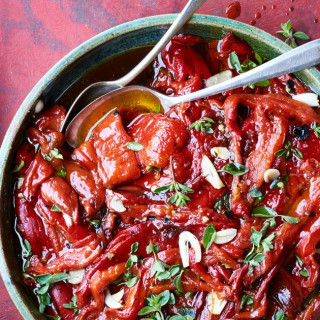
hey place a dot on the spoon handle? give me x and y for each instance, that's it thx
(191, 7)
(294, 60)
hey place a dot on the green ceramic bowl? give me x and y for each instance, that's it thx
(67, 71)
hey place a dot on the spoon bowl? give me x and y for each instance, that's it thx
(98, 89)
(139, 97)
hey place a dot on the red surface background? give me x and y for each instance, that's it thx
(35, 34)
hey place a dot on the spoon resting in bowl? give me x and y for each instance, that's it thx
(98, 89)
(81, 126)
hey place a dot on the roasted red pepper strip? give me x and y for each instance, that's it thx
(61, 294)
(39, 172)
(30, 225)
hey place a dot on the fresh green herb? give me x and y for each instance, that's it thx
(160, 270)
(187, 312)
(270, 214)
(179, 198)
(280, 316)
(150, 168)
(53, 317)
(134, 146)
(72, 305)
(304, 273)
(17, 168)
(42, 291)
(223, 204)
(134, 247)
(246, 300)
(127, 278)
(316, 128)
(310, 297)
(131, 261)
(235, 63)
(62, 172)
(287, 32)
(286, 151)
(255, 193)
(279, 183)
(55, 153)
(297, 152)
(255, 257)
(246, 66)
(177, 282)
(154, 303)
(95, 223)
(188, 294)
(209, 235)
(301, 264)
(52, 278)
(133, 258)
(179, 317)
(235, 169)
(55, 208)
(203, 125)
(26, 254)
(130, 279)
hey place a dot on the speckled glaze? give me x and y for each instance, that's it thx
(69, 69)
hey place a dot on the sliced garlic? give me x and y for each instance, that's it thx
(221, 127)
(113, 301)
(76, 276)
(109, 192)
(68, 220)
(225, 236)
(20, 182)
(20, 195)
(309, 98)
(215, 304)
(271, 175)
(218, 78)
(205, 219)
(186, 238)
(39, 106)
(210, 173)
(116, 204)
(220, 152)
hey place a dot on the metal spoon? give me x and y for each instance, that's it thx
(98, 89)
(297, 59)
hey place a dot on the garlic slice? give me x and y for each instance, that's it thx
(113, 301)
(68, 220)
(210, 173)
(76, 276)
(215, 304)
(271, 175)
(186, 238)
(309, 98)
(20, 182)
(39, 106)
(225, 236)
(220, 152)
(218, 78)
(116, 204)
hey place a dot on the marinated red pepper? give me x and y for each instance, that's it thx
(210, 211)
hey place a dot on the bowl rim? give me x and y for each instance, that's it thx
(29, 102)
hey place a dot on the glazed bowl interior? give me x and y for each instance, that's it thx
(69, 70)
